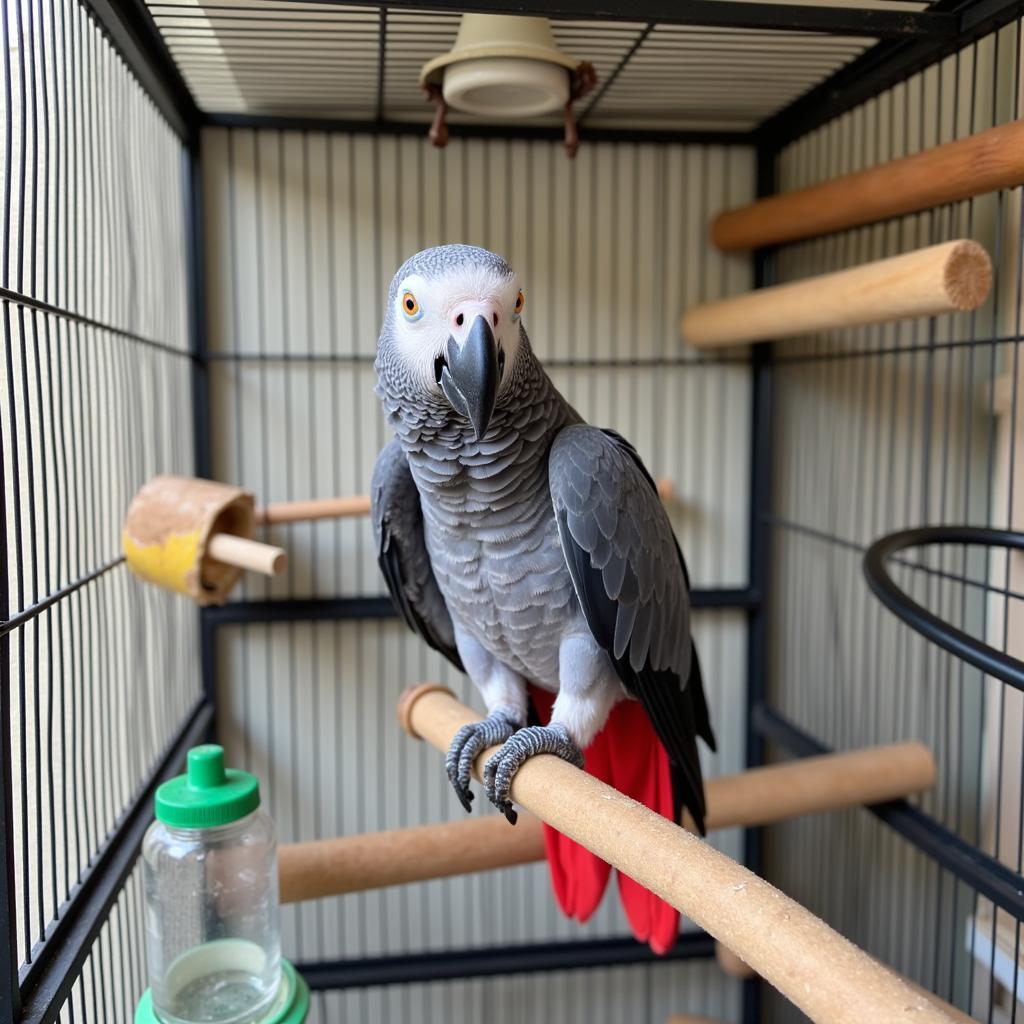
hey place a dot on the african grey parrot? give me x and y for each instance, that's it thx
(532, 550)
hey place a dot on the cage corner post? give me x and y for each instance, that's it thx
(199, 345)
(759, 545)
(10, 996)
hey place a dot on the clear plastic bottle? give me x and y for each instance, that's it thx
(210, 872)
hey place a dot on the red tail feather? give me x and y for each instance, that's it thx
(626, 754)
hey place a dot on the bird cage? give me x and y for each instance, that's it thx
(778, 246)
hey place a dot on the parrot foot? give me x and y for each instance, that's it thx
(519, 748)
(466, 746)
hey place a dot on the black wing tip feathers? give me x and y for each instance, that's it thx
(677, 709)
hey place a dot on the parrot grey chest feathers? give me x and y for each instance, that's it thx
(492, 539)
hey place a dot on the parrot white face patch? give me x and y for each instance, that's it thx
(430, 311)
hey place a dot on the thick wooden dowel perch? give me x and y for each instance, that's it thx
(943, 278)
(357, 505)
(823, 974)
(247, 554)
(732, 965)
(375, 860)
(984, 162)
(330, 867)
(315, 508)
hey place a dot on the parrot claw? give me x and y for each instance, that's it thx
(466, 746)
(517, 750)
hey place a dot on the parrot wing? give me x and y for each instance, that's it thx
(402, 552)
(633, 588)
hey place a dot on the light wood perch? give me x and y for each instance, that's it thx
(823, 974)
(330, 867)
(984, 162)
(944, 278)
(247, 554)
(315, 508)
(357, 505)
(732, 965)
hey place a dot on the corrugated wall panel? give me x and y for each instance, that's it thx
(304, 231)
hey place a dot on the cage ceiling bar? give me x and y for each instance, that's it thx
(768, 17)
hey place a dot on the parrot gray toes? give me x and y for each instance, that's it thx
(519, 748)
(466, 746)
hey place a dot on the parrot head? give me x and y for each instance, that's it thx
(451, 334)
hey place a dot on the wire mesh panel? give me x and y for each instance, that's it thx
(113, 977)
(878, 429)
(304, 233)
(98, 673)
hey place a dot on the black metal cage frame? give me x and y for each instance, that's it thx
(909, 42)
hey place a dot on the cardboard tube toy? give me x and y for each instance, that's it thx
(983, 162)
(194, 537)
(823, 974)
(330, 867)
(946, 278)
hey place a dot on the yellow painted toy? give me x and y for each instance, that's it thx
(194, 537)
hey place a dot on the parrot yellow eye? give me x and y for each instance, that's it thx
(410, 307)
(518, 308)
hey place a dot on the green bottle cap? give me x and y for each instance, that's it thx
(208, 794)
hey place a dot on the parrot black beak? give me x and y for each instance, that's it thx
(470, 374)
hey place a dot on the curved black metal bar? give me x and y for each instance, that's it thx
(981, 655)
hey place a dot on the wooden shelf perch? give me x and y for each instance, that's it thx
(331, 867)
(823, 974)
(983, 162)
(945, 278)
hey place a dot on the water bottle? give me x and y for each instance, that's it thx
(210, 875)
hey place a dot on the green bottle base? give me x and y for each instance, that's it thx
(292, 1006)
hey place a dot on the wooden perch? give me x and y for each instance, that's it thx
(316, 508)
(247, 554)
(732, 965)
(357, 505)
(942, 278)
(823, 974)
(984, 162)
(330, 867)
